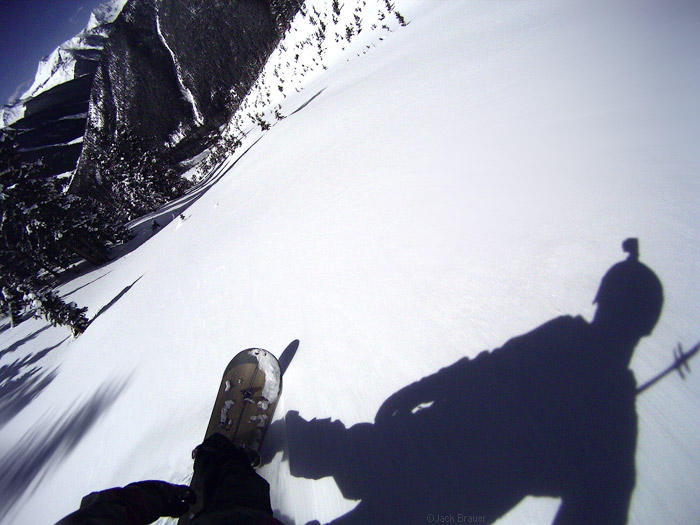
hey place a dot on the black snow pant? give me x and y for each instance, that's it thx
(232, 489)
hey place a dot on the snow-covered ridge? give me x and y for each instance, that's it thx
(10, 114)
(61, 65)
(105, 13)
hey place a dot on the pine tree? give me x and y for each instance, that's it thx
(41, 231)
(140, 182)
(58, 312)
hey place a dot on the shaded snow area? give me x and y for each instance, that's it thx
(468, 179)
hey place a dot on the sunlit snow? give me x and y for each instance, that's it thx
(468, 178)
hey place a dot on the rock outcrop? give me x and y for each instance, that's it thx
(173, 72)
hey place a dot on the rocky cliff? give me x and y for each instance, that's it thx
(172, 72)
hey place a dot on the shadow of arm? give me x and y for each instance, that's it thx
(432, 388)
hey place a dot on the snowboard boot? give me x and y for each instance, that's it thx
(225, 477)
(217, 444)
(252, 454)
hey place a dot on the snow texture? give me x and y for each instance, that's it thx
(11, 113)
(466, 180)
(268, 365)
(105, 13)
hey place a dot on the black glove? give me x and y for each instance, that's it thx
(149, 500)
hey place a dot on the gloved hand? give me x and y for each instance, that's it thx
(149, 500)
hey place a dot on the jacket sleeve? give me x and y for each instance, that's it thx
(136, 504)
(99, 508)
(429, 389)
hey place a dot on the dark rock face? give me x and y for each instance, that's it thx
(55, 118)
(135, 93)
(172, 72)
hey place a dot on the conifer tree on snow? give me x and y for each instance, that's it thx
(41, 231)
(138, 183)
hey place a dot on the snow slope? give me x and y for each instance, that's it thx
(469, 179)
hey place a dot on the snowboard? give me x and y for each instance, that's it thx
(244, 405)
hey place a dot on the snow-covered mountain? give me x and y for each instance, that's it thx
(434, 191)
(144, 77)
(66, 61)
(74, 58)
(49, 119)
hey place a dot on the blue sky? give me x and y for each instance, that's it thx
(30, 30)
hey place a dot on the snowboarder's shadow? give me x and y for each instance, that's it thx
(551, 413)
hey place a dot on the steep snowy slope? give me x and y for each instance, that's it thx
(465, 181)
